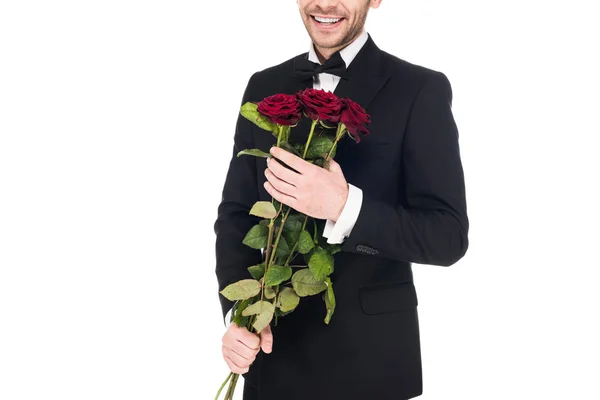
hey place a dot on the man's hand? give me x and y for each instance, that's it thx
(314, 191)
(240, 347)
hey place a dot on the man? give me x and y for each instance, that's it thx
(395, 198)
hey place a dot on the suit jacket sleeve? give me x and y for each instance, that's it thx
(239, 194)
(430, 226)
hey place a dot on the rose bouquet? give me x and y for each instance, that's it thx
(273, 289)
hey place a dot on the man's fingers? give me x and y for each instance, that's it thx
(249, 339)
(280, 197)
(282, 172)
(290, 159)
(266, 339)
(279, 184)
(242, 350)
(233, 367)
(238, 360)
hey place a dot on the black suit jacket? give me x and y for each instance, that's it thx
(413, 210)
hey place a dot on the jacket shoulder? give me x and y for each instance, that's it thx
(415, 77)
(412, 72)
(266, 77)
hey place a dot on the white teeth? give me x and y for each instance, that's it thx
(327, 20)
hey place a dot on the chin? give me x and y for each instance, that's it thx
(326, 41)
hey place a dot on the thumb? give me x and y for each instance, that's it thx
(333, 165)
(266, 339)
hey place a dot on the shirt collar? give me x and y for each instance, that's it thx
(348, 53)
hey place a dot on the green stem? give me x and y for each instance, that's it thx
(228, 393)
(223, 385)
(338, 135)
(330, 151)
(340, 132)
(267, 255)
(295, 244)
(279, 134)
(278, 237)
(232, 385)
(278, 141)
(269, 241)
(312, 130)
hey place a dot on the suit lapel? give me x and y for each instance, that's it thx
(364, 77)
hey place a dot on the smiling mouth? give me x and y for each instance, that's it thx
(327, 21)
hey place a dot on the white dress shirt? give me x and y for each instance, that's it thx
(337, 231)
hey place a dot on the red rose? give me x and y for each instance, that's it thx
(319, 104)
(354, 117)
(282, 109)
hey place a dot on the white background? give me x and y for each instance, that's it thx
(116, 123)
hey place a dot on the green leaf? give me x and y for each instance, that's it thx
(257, 237)
(299, 147)
(263, 320)
(263, 209)
(250, 112)
(294, 216)
(288, 147)
(237, 310)
(329, 299)
(277, 274)
(287, 300)
(257, 308)
(283, 249)
(292, 225)
(290, 237)
(241, 290)
(334, 248)
(291, 231)
(305, 243)
(270, 292)
(254, 152)
(305, 284)
(321, 263)
(257, 271)
(265, 222)
(320, 145)
(264, 310)
(280, 313)
(277, 205)
(307, 256)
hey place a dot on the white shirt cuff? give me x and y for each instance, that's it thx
(336, 232)
(228, 318)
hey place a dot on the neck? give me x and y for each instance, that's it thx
(323, 53)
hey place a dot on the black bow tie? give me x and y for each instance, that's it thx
(335, 65)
